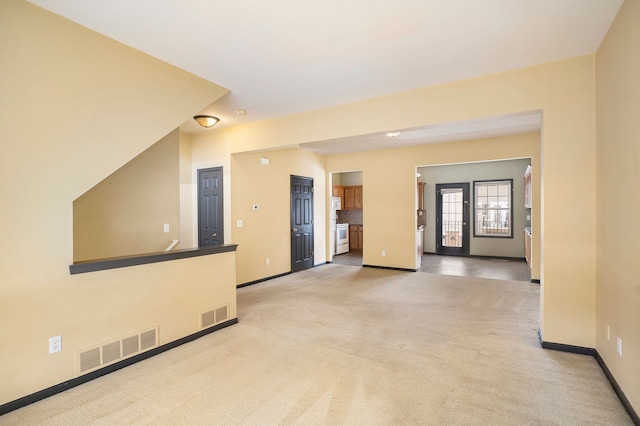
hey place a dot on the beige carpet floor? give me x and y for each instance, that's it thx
(355, 346)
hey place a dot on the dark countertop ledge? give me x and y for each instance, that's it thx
(142, 259)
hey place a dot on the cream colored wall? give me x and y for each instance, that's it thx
(210, 150)
(125, 213)
(565, 93)
(618, 191)
(188, 194)
(99, 105)
(80, 79)
(266, 233)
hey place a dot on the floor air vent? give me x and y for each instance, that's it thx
(114, 351)
(214, 316)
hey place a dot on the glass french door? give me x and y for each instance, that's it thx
(452, 219)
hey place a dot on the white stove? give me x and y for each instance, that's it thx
(342, 238)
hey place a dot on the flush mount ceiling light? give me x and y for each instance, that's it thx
(392, 135)
(206, 120)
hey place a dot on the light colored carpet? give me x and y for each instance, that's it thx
(357, 346)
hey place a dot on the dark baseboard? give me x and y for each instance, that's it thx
(477, 256)
(618, 390)
(275, 276)
(594, 353)
(61, 387)
(391, 268)
(534, 281)
(263, 280)
(581, 350)
(511, 258)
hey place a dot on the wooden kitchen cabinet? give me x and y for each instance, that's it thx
(421, 213)
(352, 197)
(421, 195)
(527, 188)
(355, 237)
(358, 195)
(338, 191)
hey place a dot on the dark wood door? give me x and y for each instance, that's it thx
(452, 219)
(301, 223)
(210, 207)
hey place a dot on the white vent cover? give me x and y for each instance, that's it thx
(147, 339)
(130, 345)
(207, 319)
(214, 316)
(222, 314)
(111, 352)
(89, 359)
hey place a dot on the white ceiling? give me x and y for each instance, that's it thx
(284, 57)
(446, 132)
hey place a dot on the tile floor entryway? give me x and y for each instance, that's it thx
(494, 268)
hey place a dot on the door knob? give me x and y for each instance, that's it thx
(464, 223)
(294, 230)
(215, 235)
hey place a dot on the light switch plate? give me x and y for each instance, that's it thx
(166, 228)
(239, 223)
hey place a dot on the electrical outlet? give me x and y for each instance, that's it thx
(55, 344)
(166, 228)
(267, 261)
(384, 253)
(619, 346)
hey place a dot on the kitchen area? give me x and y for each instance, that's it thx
(346, 218)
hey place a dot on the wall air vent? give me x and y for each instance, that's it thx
(111, 352)
(130, 345)
(207, 319)
(148, 339)
(89, 359)
(214, 316)
(222, 314)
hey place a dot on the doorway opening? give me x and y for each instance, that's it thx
(490, 242)
(346, 218)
